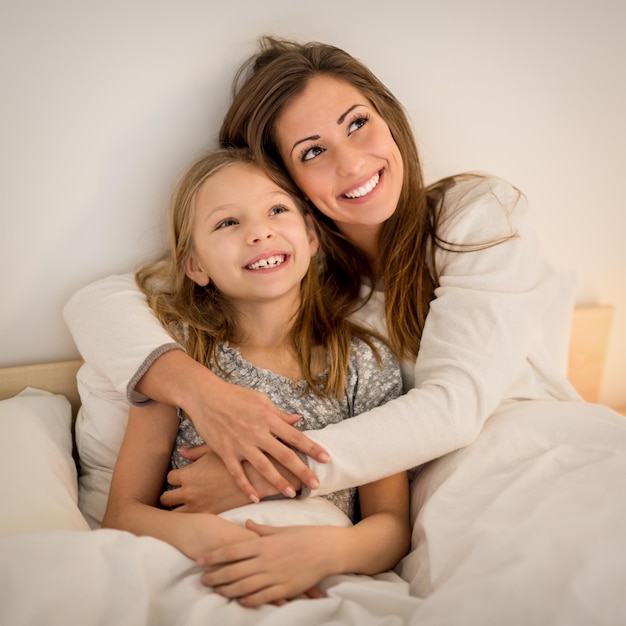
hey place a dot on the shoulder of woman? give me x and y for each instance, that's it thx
(487, 206)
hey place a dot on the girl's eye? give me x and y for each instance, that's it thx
(279, 208)
(225, 223)
(310, 153)
(358, 122)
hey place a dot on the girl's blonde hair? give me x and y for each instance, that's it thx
(201, 317)
(263, 86)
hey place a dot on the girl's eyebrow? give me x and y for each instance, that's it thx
(340, 120)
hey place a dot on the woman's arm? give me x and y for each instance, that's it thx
(117, 333)
(480, 337)
(369, 383)
(137, 480)
(284, 562)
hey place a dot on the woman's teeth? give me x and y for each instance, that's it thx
(272, 261)
(365, 189)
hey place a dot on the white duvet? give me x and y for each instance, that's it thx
(513, 529)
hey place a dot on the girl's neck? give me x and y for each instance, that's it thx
(266, 324)
(266, 342)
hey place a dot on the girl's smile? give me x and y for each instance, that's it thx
(267, 262)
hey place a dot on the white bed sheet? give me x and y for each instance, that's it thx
(513, 530)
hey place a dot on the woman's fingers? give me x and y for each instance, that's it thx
(268, 471)
(299, 441)
(235, 469)
(286, 457)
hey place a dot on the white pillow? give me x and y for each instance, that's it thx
(38, 490)
(100, 427)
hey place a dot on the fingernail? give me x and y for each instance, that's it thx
(314, 483)
(254, 498)
(324, 458)
(290, 492)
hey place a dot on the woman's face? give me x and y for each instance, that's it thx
(340, 153)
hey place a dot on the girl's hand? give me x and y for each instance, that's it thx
(281, 564)
(205, 486)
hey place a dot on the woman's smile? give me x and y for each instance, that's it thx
(364, 190)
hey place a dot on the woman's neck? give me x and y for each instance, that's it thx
(366, 239)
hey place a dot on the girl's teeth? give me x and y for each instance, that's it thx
(362, 191)
(272, 261)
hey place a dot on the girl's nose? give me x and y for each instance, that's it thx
(259, 234)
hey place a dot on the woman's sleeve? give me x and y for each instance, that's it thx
(477, 336)
(116, 331)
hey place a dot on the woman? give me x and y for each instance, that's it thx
(452, 274)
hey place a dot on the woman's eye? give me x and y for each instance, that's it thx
(310, 153)
(278, 209)
(357, 123)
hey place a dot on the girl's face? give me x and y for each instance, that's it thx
(341, 154)
(249, 238)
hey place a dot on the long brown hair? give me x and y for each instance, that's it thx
(201, 317)
(263, 86)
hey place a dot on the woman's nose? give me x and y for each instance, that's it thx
(350, 161)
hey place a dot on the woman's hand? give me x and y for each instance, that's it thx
(279, 565)
(238, 424)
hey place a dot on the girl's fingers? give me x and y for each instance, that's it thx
(290, 418)
(235, 581)
(261, 529)
(315, 593)
(193, 454)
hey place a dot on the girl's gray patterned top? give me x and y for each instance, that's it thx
(367, 386)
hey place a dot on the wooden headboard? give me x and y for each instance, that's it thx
(58, 377)
(589, 341)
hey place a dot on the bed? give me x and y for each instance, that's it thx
(488, 546)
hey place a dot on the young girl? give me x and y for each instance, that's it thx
(240, 290)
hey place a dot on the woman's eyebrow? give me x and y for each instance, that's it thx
(340, 120)
(311, 138)
(343, 116)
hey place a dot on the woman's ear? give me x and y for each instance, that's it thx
(314, 242)
(195, 272)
